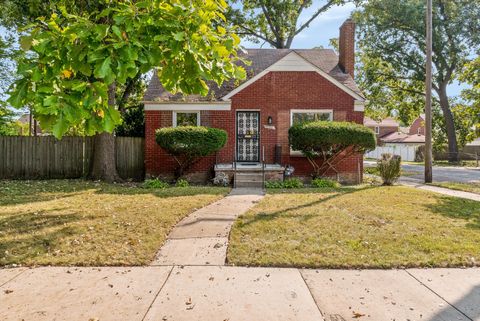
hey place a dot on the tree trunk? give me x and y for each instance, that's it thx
(449, 124)
(104, 165)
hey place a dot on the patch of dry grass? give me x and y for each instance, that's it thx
(75, 222)
(369, 227)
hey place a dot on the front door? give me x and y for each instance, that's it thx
(248, 136)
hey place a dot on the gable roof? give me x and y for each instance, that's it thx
(325, 61)
(398, 137)
(387, 122)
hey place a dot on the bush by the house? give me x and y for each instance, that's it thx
(325, 143)
(322, 182)
(288, 183)
(187, 144)
(182, 183)
(155, 183)
(420, 154)
(389, 168)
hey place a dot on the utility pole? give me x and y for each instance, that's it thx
(428, 97)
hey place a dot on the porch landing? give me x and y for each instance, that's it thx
(251, 174)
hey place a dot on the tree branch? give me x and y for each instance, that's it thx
(315, 15)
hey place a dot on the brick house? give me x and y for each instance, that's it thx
(283, 86)
(383, 127)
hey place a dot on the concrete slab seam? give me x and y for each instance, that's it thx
(437, 294)
(311, 294)
(13, 278)
(158, 293)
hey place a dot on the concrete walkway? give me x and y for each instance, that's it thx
(445, 191)
(202, 237)
(219, 293)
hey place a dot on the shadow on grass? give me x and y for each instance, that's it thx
(458, 208)
(23, 192)
(26, 239)
(335, 193)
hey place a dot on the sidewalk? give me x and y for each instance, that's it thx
(415, 183)
(202, 237)
(211, 293)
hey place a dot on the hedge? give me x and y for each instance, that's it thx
(189, 143)
(315, 136)
(331, 142)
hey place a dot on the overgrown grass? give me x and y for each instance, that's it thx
(368, 227)
(466, 187)
(75, 222)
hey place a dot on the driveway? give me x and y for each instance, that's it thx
(441, 174)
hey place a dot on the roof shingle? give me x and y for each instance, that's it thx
(324, 59)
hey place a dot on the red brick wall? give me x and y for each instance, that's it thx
(346, 44)
(418, 127)
(273, 95)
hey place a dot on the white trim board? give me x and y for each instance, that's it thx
(359, 105)
(189, 106)
(293, 62)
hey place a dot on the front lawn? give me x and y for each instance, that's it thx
(365, 227)
(75, 222)
(466, 187)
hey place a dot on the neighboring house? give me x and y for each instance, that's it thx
(397, 140)
(382, 128)
(283, 86)
(418, 126)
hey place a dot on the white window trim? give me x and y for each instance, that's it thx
(174, 116)
(296, 111)
(377, 130)
(300, 111)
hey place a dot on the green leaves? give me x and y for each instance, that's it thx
(72, 63)
(104, 71)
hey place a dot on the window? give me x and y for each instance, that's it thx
(310, 115)
(186, 118)
(377, 130)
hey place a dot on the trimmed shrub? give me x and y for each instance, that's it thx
(330, 142)
(322, 182)
(155, 183)
(182, 183)
(288, 183)
(187, 144)
(389, 168)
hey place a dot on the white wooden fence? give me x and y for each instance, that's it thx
(407, 152)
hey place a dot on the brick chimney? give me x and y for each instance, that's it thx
(346, 44)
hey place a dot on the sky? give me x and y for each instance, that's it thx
(324, 28)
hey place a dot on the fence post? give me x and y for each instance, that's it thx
(476, 157)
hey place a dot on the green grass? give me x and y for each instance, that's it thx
(466, 187)
(75, 222)
(366, 227)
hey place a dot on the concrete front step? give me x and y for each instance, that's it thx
(249, 179)
(249, 184)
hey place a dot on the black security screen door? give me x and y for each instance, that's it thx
(248, 136)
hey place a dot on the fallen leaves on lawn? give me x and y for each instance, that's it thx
(357, 315)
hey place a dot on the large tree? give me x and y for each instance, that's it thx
(275, 22)
(77, 62)
(392, 34)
